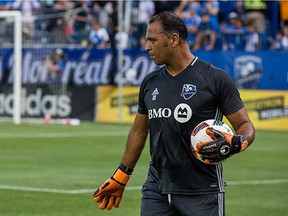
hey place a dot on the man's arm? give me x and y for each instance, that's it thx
(110, 193)
(242, 124)
(136, 141)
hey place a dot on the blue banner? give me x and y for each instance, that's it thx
(254, 70)
(83, 67)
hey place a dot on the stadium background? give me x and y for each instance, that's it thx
(53, 169)
(87, 86)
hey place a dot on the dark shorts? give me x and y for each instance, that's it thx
(157, 204)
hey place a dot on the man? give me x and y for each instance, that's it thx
(233, 32)
(207, 33)
(172, 101)
(98, 36)
(55, 64)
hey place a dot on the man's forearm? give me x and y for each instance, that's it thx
(136, 141)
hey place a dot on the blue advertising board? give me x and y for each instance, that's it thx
(83, 67)
(253, 70)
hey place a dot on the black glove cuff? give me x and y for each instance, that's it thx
(125, 169)
(237, 141)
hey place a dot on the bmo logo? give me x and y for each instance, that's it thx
(159, 113)
(182, 113)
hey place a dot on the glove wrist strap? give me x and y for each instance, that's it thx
(240, 143)
(121, 177)
(125, 169)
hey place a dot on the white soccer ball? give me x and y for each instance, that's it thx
(130, 74)
(199, 134)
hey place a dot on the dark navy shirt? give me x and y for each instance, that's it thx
(175, 105)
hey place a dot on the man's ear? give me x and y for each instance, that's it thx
(174, 39)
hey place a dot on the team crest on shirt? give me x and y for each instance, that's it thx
(188, 91)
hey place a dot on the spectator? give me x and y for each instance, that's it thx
(255, 13)
(98, 36)
(285, 37)
(252, 39)
(207, 34)
(81, 21)
(56, 23)
(240, 10)
(183, 9)
(212, 8)
(121, 39)
(276, 44)
(192, 23)
(196, 5)
(55, 64)
(233, 33)
(6, 26)
(225, 7)
(28, 9)
(146, 10)
(281, 41)
(101, 9)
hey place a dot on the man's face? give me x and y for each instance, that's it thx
(157, 43)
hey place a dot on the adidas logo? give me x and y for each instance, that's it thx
(155, 93)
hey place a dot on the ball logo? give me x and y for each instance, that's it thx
(182, 113)
(225, 149)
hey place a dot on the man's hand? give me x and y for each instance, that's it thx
(223, 146)
(110, 193)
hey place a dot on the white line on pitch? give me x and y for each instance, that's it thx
(131, 188)
(63, 135)
(258, 182)
(59, 191)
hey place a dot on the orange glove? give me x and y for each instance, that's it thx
(223, 146)
(110, 193)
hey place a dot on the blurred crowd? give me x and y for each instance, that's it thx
(249, 25)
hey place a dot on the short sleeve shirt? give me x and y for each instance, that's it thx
(174, 106)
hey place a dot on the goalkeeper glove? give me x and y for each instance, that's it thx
(110, 193)
(223, 146)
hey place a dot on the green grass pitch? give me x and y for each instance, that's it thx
(52, 170)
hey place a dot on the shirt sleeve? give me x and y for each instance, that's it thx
(228, 96)
(142, 109)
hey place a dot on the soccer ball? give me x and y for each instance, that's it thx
(199, 134)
